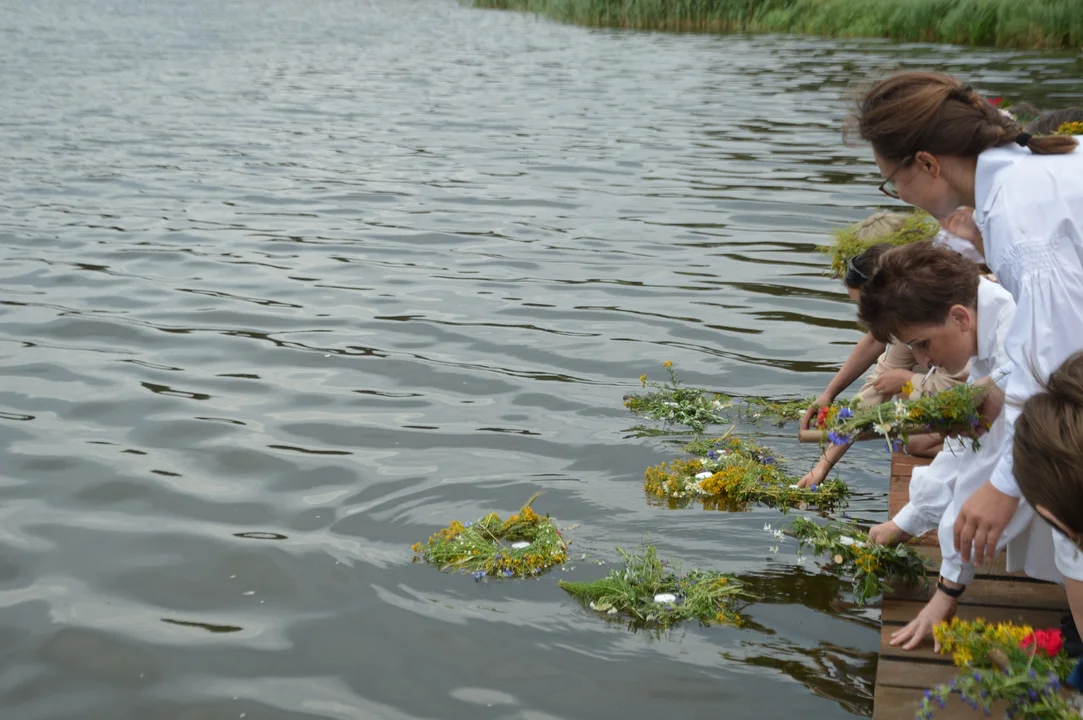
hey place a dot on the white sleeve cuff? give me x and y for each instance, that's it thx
(1003, 478)
(911, 521)
(953, 568)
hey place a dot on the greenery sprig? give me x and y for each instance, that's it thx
(915, 228)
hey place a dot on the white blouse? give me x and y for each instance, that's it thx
(1029, 209)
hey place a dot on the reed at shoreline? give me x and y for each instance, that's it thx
(1038, 24)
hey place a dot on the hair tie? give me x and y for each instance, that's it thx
(1023, 139)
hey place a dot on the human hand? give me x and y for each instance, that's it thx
(940, 608)
(992, 403)
(891, 382)
(816, 475)
(961, 224)
(981, 520)
(887, 533)
(823, 401)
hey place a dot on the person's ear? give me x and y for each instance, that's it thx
(928, 162)
(963, 317)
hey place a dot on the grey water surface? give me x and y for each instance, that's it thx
(286, 286)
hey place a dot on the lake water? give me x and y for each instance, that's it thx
(286, 286)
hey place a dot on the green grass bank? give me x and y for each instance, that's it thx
(1023, 24)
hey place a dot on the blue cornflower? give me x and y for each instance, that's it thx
(814, 488)
(897, 445)
(838, 438)
(846, 413)
(712, 454)
(508, 573)
(769, 460)
(479, 575)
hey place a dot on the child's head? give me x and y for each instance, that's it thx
(1048, 449)
(923, 124)
(926, 297)
(861, 267)
(1049, 121)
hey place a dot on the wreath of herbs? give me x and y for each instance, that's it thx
(676, 404)
(524, 545)
(732, 474)
(954, 410)
(650, 592)
(874, 568)
(1003, 662)
(919, 226)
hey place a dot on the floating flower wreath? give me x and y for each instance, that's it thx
(733, 474)
(649, 592)
(524, 545)
(875, 568)
(954, 410)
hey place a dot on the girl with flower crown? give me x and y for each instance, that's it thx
(896, 373)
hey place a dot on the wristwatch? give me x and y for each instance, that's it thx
(949, 591)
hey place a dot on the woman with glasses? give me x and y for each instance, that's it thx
(940, 145)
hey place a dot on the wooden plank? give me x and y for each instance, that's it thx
(900, 612)
(900, 673)
(892, 703)
(999, 591)
(996, 568)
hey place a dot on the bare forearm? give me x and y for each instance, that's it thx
(861, 358)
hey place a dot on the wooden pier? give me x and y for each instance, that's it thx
(995, 595)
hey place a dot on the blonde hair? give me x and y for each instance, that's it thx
(879, 225)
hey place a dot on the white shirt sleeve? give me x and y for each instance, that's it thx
(1046, 279)
(932, 488)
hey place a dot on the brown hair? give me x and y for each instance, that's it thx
(1048, 122)
(1048, 445)
(933, 112)
(916, 284)
(865, 265)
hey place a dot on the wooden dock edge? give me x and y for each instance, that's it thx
(995, 595)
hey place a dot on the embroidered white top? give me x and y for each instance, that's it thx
(1029, 209)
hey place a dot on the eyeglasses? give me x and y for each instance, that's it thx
(888, 187)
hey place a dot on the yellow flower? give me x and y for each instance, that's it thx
(907, 389)
(962, 657)
(668, 363)
(1070, 128)
(643, 379)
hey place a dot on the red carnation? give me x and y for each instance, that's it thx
(821, 417)
(995, 102)
(1050, 642)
